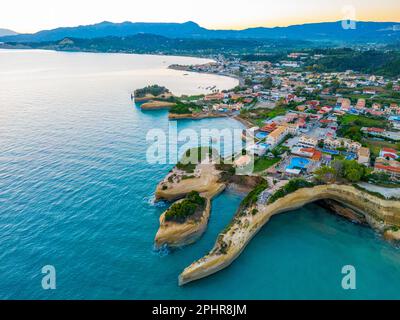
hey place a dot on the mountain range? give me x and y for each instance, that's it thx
(7, 32)
(380, 32)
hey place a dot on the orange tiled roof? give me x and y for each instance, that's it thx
(387, 168)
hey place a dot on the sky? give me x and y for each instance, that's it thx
(27, 16)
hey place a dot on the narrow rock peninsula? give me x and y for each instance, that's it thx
(192, 186)
(382, 215)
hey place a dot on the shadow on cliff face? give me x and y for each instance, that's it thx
(342, 210)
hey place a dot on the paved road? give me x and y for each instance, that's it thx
(387, 192)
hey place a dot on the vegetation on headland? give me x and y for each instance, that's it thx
(154, 90)
(252, 197)
(292, 186)
(183, 108)
(195, 156)
(227, 170)
(181, 211)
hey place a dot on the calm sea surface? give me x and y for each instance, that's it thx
(76, 193)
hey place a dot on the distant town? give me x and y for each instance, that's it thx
(310, 136)
(302, 120)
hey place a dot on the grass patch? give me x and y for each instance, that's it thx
(362, 121)
(264, 163)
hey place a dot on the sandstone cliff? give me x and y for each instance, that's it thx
(383, 215)
(175, 234)
(174, 187)
(195, 116)
(156, 105)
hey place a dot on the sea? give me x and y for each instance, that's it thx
(77, 194)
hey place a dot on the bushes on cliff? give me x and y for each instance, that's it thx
(292, 186)
(194, 156)
(326, 174)
(183, 108)
(227, 171)
(252, 197)
(154, 90)
(349, 170)
(195, 198)
(180, 211)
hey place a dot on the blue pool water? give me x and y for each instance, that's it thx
(300, 163)
(265, 145)
(333, 152)
(76, 193)
(261, 135)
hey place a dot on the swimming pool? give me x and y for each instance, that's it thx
(350, 155)
(333, 152)
(298, 163)
(261, 135)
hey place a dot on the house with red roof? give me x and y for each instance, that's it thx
(269, 127)
(391, 170)
(388, 153)
(311, 153)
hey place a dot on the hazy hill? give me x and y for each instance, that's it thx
(385, 32)
(150, 43)
(7, 32)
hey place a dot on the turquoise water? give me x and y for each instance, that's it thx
(298, 163)
(76, 192)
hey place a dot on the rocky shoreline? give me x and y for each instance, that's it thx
(176, 235)
(176, 186)
(382, 215)
(195, 116)
(208, 181)
(156, 105)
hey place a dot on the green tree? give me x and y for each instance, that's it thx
(353, 171)
(326, 174)
(248, 82)
(354, 175)
(389, 86)
(267, 83)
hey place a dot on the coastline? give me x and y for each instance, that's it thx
(246, 123)
(156, 105)
(24, 48)
(176, 186)
(241, 80)
(196, 116)
(134, 237)
(176, 235)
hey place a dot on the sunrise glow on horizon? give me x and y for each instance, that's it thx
(30, 16)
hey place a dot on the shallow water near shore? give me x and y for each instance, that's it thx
(76, 192)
